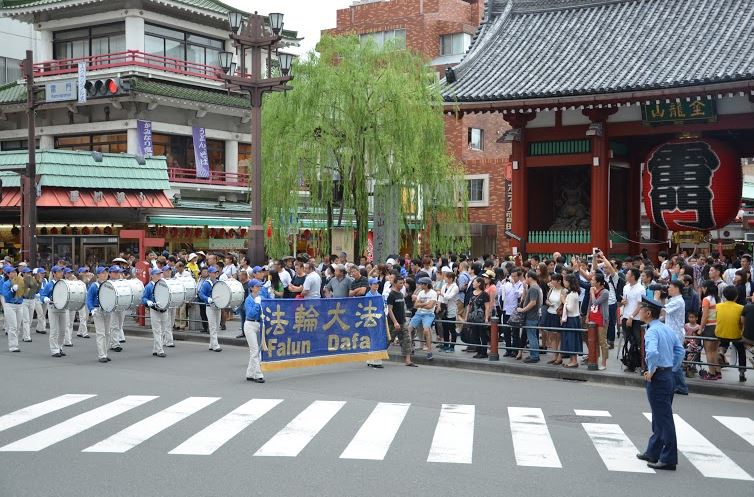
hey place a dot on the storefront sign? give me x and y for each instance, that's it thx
(201, 158)
(60, 91)
(310, 332)
(683, 111)
(81, 82)
(145, 147)
(227, 244)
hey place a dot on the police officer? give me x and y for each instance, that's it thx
(14, 312)
(251, 329)
(116, 319)
(158, 318)
(58, 318)
(664, 354)
(100, 317)
(213, 313)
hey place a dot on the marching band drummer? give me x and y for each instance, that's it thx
(58, 319)
(251, 327)
(100, 317)
(31, 287)
(83, 331)
(213, 313)
(167, 332)
(117, 317)
(39, 307)
(158, 318)
(68, 340)
(13, 307)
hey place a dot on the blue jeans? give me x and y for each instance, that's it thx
(242, 314)
(613, 313)
(532, 334)
(679, 382)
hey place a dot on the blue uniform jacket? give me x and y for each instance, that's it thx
(662, 346)
(46, 290)
(92, 296)
(9, 294)
(253, 310)
(205, 291)
(148, 293)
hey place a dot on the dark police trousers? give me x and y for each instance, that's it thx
(662, 444)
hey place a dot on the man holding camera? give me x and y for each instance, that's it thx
(632, 294)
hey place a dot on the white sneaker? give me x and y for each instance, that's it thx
(14, 349)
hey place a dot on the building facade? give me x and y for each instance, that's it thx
(162, 60)
(442, 31)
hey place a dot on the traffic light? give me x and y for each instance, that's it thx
(112, 87)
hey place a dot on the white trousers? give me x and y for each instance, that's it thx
(167, 333)
(83, 318)
(213, 316)
(116, 328)
(5, 321)
(58, 324)
(69, 328)
(102, 330)
(28, 313)
(41, 310)
(251, 331)
(159, 320)
(14, 315)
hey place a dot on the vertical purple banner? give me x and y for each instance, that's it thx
(201, 158)
(145, 148)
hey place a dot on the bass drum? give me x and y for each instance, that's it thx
(69, 295)
(137, 291)
(227, 294)
(115, 295)
(189, 288)
(168, 294)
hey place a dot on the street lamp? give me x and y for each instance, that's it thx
(253, 35)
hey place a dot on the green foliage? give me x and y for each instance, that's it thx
(365, 115)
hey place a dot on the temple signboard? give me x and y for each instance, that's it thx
(683, 111)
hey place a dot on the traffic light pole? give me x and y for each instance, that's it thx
(29, 181)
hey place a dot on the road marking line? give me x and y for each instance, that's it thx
(34, 411)
(218, 433)
(373, 439)
(708, 459)
(615, 448)
(76, 424)
(145, 429)
(743, 427)
(292, 439)
(532, 443)
(453, 441)
(596, 414)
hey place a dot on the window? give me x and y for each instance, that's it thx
(454, 44)
(179, 151)
(10, 70)
(396, 36)
(107, 143)
(477, 188)
(180, 45)
(476, 139)
(97, 40)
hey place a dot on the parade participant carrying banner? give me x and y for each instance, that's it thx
(312, 332)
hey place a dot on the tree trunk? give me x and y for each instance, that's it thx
(328, 240)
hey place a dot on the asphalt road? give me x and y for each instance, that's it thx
(190, 425)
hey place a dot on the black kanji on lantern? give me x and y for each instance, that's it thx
(681, 180)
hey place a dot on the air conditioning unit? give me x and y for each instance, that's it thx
(749, 237)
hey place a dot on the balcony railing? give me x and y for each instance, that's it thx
(221, 178)
(129, 58)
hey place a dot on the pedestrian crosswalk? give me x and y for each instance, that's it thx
(370, 438)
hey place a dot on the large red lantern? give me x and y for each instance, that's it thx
(692, 185)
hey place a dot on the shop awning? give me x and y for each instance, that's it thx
(61, 197)
(234, 222)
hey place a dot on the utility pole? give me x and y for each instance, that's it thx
(29, 179)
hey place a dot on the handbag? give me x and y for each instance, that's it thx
(595, 314)
(477, 313)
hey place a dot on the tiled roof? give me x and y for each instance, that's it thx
(63, 168)
(12, 93)
(154, 87)
(552, 48)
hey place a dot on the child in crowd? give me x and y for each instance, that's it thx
(692, 346)
(374, 288)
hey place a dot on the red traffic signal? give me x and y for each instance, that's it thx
(106, 87)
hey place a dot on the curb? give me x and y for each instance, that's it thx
(539, 371)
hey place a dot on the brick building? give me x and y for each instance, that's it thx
(442, 31)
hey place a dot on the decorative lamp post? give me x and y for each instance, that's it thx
(251, 34)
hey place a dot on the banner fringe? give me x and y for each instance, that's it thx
(323, 360)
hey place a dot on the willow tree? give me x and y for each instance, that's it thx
(360, 117)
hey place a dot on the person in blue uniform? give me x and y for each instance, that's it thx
(664, 354)
(100, 317)
(14, 308)
(213, 313)
(58, 318)
(117, 318)
(158, 318)
(251, 328)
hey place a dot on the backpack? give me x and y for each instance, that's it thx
(631, 353)
(619, 287)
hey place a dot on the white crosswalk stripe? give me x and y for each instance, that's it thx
(532, 443)
(743, 427)
(292, 439)
(33, 412)
(377, 433)
(76, 424)
(454, 435)
(615, 448)
(218, 433)
(145, 429)
(708, 459)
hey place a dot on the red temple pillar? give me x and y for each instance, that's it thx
(600, 192)
(520, 180)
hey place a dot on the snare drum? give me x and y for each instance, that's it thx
(69, 295)
(137, 291)
(115, 295)
(227, 294)
(189, 288)
(168, 294)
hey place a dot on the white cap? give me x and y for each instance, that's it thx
(446, 269)
(191, 256)
(22, 264)
(120, 259)
(390, 261)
